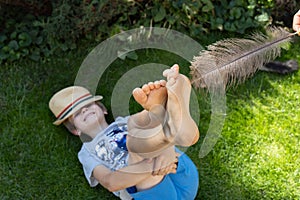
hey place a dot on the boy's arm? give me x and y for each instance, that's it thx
(125, 177)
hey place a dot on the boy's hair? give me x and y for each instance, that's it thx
(70, 125)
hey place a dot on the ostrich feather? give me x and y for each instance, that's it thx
(231, 61)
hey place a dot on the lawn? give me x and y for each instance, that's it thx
(256, 157)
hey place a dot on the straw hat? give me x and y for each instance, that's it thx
(69, 100)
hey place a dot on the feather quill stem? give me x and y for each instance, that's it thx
(265, 46)
(234, 60)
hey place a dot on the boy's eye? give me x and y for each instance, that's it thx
(76, 114)
(89, 105)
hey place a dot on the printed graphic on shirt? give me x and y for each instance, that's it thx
(112, 148)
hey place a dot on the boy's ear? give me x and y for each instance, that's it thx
(70, 126)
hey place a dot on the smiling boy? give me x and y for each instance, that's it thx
(115, 154)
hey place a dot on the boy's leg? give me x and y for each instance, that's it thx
(163, 190)
(181, 124)
(186, 179)
(146, 138)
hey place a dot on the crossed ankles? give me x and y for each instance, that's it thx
(166, 119)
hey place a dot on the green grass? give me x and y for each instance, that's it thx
(256, 157)
(258, 154)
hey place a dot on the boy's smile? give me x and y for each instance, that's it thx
(89, 119)
(88, 115)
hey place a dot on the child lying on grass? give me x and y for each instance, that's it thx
(135, 157)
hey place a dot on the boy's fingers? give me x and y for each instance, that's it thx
(166, 170)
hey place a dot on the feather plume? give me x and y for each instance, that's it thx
(231, 61)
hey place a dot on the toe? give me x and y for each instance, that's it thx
(163, 83)
(146, 89)
(171, 82)
(157, 84)
(166, 72)
(139, 95)
(175, 67)
(172, 72)
(151, 85)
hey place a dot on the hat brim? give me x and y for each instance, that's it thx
(76, 108)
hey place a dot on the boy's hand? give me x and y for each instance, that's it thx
(166, 162)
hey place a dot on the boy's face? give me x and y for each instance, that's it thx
(88, 118)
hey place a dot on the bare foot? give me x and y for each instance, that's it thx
(146, 129)
(181, 124)
(152, 97)
(147, 133)
(151, 94)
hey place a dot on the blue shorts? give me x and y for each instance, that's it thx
(180, 186)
